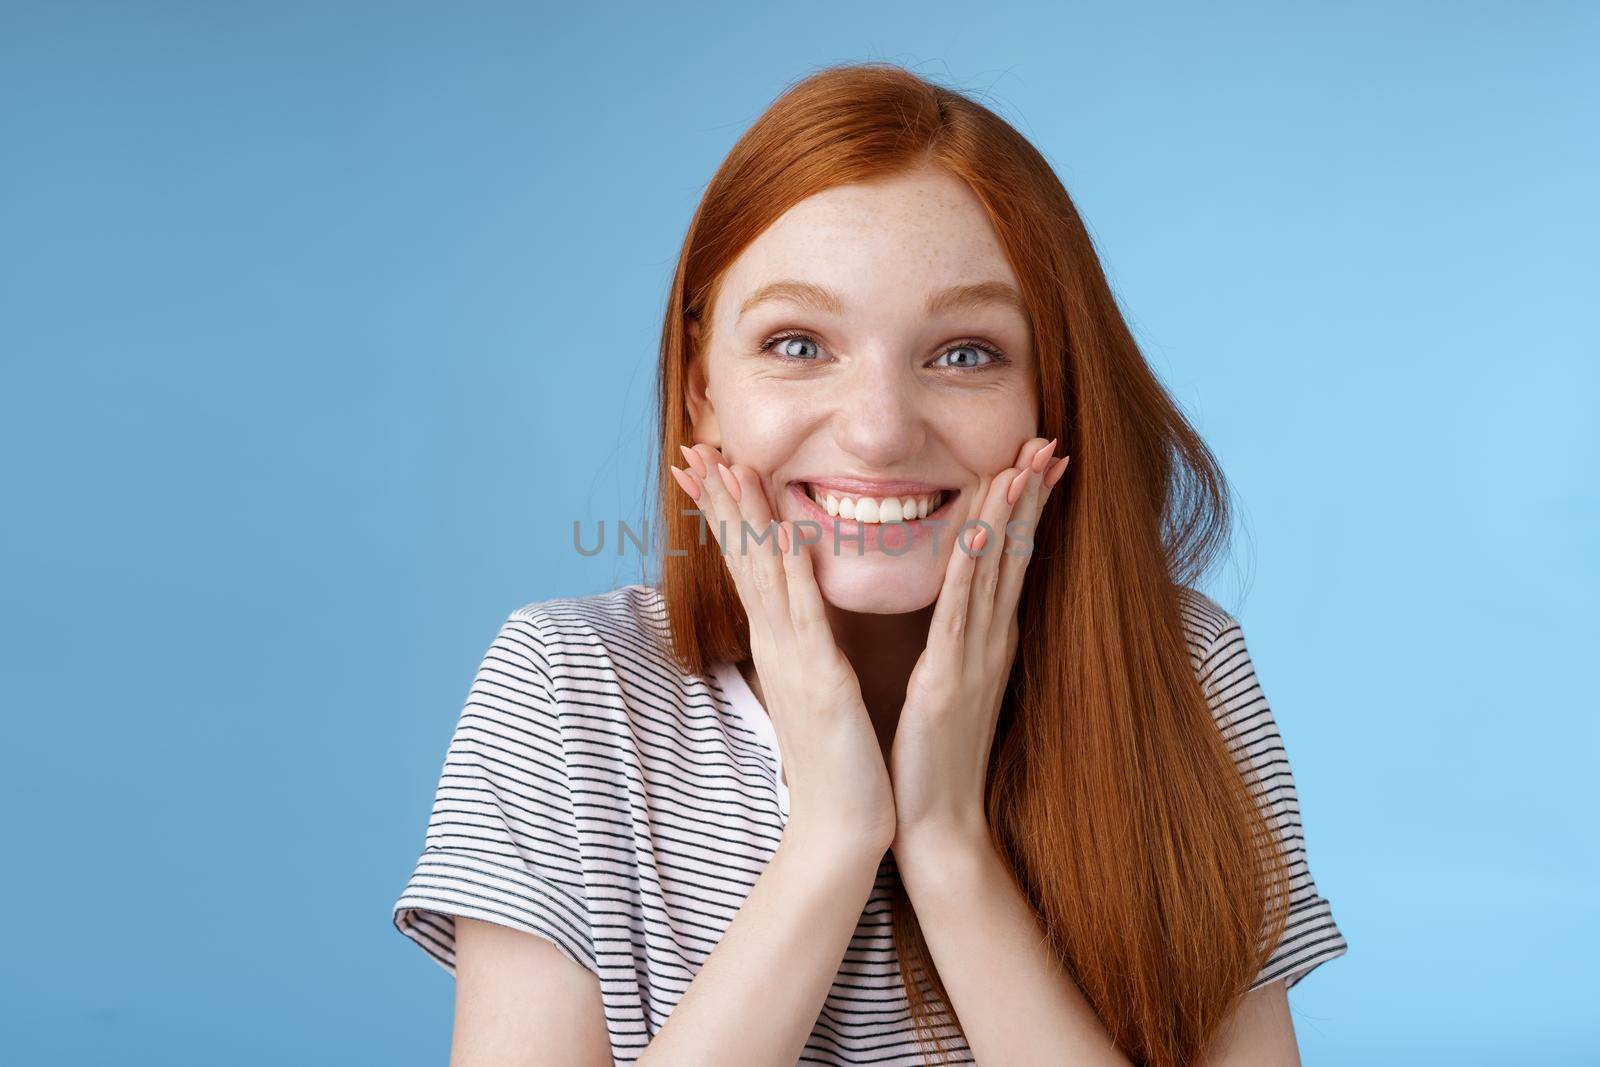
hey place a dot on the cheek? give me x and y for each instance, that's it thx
(987, 438)
(765, 426)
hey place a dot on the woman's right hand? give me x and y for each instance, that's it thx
(834, 766)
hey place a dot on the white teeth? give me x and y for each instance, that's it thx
(875, 509)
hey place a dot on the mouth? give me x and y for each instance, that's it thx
(859, 509)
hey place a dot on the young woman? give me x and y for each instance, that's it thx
(922, 746)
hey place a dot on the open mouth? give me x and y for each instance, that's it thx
(904, 509)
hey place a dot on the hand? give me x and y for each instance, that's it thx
(939, 761)
(832, 760)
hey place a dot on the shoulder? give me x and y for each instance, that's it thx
(1221, 660)
(1206, 625)
(605, 660)
(1204, 620)
(621, 628)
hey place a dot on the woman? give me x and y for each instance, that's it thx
(918, 749)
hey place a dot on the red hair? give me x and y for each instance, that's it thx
(1111, 793)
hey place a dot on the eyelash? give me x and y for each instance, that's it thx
(996, 357)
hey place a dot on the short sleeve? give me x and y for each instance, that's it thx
(1310, 937)
(502, 842)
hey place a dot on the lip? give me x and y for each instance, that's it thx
(875, 487)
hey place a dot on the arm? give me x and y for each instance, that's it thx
(758, 995)
(1259, 1032)
(1015, 1003)
(520, 1002)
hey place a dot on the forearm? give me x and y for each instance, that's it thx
(757, 997)
(1015, 1003)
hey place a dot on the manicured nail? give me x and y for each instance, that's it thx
(692, 459)
(979, 539)
(729, 480)
(1057, 469)
(1041, 458)
(1018, 484)
(684, 480)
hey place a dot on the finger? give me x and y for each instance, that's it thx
(1054, 473)
(1031, 450)
(689, 481)
(752, 537)
(763, 547)
(986, 568)
(713, 510)
(948, 627)
(1020, 527)
(693, 458)
(686, 482)
(1043, 457)
(807, 616)
(723, 516)
(715, 500)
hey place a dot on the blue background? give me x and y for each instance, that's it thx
(318, 327)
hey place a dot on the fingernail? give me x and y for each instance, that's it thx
(1041, 458)
(783, 535)
(1057, 469)
(686, 482)
(980, 539)
(1018, 484)
(729, 480)
(692, 458)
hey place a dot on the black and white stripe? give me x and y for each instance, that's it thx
(1229, 678)
(596, 796)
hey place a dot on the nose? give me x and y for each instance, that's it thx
(878, 415)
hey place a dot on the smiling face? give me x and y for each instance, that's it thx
(871, 344)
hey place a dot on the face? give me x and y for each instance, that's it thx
(871, 345)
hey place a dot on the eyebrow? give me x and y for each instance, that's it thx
(813, 297)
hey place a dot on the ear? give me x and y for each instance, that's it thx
(697, 391)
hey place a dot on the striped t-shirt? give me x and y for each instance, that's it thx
(595, 795)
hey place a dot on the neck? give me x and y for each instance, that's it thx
(883, 650)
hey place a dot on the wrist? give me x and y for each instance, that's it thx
(940, 850)
(963, 834)
(828, 841)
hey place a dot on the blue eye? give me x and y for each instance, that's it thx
(972, 348)
(786, 350)
(793, 348)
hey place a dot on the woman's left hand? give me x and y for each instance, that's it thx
(939, 759)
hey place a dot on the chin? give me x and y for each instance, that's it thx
(879, 585)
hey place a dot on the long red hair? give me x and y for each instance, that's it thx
(1111, 791)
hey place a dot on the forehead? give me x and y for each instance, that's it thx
(907, 235)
